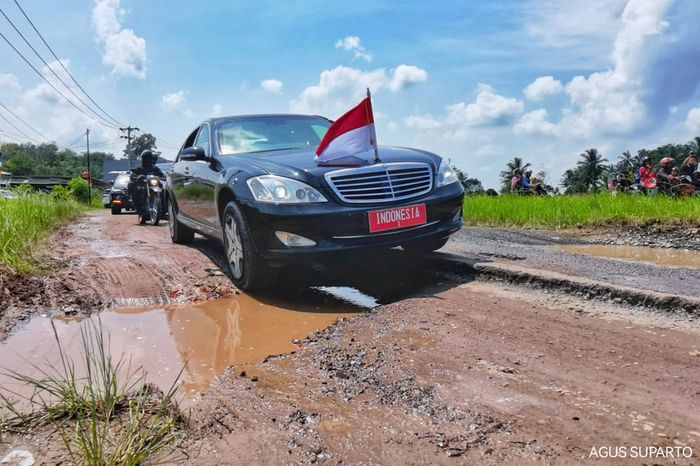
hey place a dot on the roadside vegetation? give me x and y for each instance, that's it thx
(30, 218)
(573, 211)
(104, 412)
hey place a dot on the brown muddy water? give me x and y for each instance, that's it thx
(673, 258)
(205, 338)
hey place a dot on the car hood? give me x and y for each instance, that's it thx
(301, 164)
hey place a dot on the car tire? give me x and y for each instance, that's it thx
(246, 267)
(116, 210)
(424, 245)
(179, 233)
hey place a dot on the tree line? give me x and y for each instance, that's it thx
(51, 160)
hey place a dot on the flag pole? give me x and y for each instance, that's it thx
(373, 136)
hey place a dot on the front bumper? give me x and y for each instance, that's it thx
(123, 201)
(336, 227)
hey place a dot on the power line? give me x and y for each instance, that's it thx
(25, 123)
(52, 70)
(64, 67)
(11, 135)
(49, 83)
(18, 130)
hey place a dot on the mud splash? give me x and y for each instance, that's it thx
(205, 339)
(673, 258)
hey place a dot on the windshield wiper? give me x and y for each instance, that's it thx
(273, 150)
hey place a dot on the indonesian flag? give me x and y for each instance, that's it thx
(351, 134)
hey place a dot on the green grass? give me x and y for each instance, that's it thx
(25, 222)
(573, 211)
(105, 413)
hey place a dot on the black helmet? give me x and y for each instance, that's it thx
(645, 160)
(147, 158)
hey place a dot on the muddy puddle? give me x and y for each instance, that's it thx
(673, 258)
(205, 338)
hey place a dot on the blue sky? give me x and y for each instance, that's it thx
(477, 82)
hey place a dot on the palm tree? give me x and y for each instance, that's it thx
(507, 174)
(571, 182)
(591, 169)
(626, 162)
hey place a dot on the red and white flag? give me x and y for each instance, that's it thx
(350, 134)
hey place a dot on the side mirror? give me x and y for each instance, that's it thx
(193, 153)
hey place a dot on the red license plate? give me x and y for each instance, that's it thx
(399, 217)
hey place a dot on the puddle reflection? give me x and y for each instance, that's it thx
(205, 338)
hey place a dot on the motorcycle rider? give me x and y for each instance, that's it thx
(148, 167)
(647, 176)
(663, 174)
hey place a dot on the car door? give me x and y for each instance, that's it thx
(181, 180)
(204, 182)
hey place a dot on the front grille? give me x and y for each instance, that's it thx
(381, 183)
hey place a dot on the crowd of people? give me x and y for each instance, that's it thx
(668, 178)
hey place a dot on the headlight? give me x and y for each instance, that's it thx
(154, 182)
(280, 190)
(446, 175)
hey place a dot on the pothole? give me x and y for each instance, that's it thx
(673, 258)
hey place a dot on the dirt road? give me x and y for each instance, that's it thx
(452, 369)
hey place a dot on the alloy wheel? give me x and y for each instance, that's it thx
(234, 247)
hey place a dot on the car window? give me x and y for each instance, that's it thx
(203, 139)
(273, 132)
(189, 142)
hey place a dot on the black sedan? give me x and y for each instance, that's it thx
(253, 182)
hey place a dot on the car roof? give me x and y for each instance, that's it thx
(261, 115)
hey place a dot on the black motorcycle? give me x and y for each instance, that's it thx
(150, 207)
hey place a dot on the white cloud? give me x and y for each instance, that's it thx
(352, 44)
(488, 109)
(48, 112)
(582, 28)
(692, 121)
(217, 110)
(535, 122)
(124, 51)
(407, 75)
(176, 102)
(543, 87)
(9, 83)
(342, 87)
(609, 102)
(272, 85)
(423, 122)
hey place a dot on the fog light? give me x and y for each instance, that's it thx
(292, 240)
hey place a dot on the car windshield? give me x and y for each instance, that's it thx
(122, 181)
(263, 133)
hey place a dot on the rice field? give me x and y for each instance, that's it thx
(573, 211)
(26, 221)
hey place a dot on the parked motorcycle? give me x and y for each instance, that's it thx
(151, 205)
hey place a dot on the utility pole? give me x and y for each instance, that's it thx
(87, 135)
(128, 131)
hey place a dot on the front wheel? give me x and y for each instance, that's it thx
(248, 270)
(154, 210)
(424, 245)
